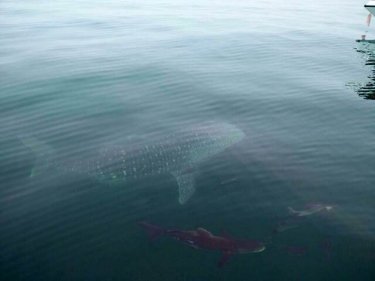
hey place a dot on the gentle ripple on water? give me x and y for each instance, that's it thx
(80, 75)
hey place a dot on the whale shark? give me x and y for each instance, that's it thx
(178, 154)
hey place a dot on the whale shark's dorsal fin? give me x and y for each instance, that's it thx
(204, 232)
(186, 186)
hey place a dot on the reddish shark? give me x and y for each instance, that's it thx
(201, 238)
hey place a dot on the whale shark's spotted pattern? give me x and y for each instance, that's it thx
(177, 154)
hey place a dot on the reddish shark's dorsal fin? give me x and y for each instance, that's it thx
(226, 235)
(204, 232)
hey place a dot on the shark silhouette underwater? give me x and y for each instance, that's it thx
(201, 238)
(178, 154)
(297, 217)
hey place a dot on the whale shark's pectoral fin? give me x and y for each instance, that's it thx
(186, 187)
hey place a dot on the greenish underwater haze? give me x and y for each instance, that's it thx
(83, 76)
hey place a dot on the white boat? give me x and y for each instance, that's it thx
(370, 6)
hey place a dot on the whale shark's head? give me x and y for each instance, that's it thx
(211, 138)
(224, 134)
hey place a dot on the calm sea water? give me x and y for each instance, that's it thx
(80, 75)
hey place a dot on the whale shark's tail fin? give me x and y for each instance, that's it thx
(43, 153)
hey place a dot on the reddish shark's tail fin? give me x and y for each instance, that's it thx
(292, 211)
(152, 230)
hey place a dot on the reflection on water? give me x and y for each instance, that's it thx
(367, 90)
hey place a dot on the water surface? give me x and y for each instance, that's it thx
(80, 75)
